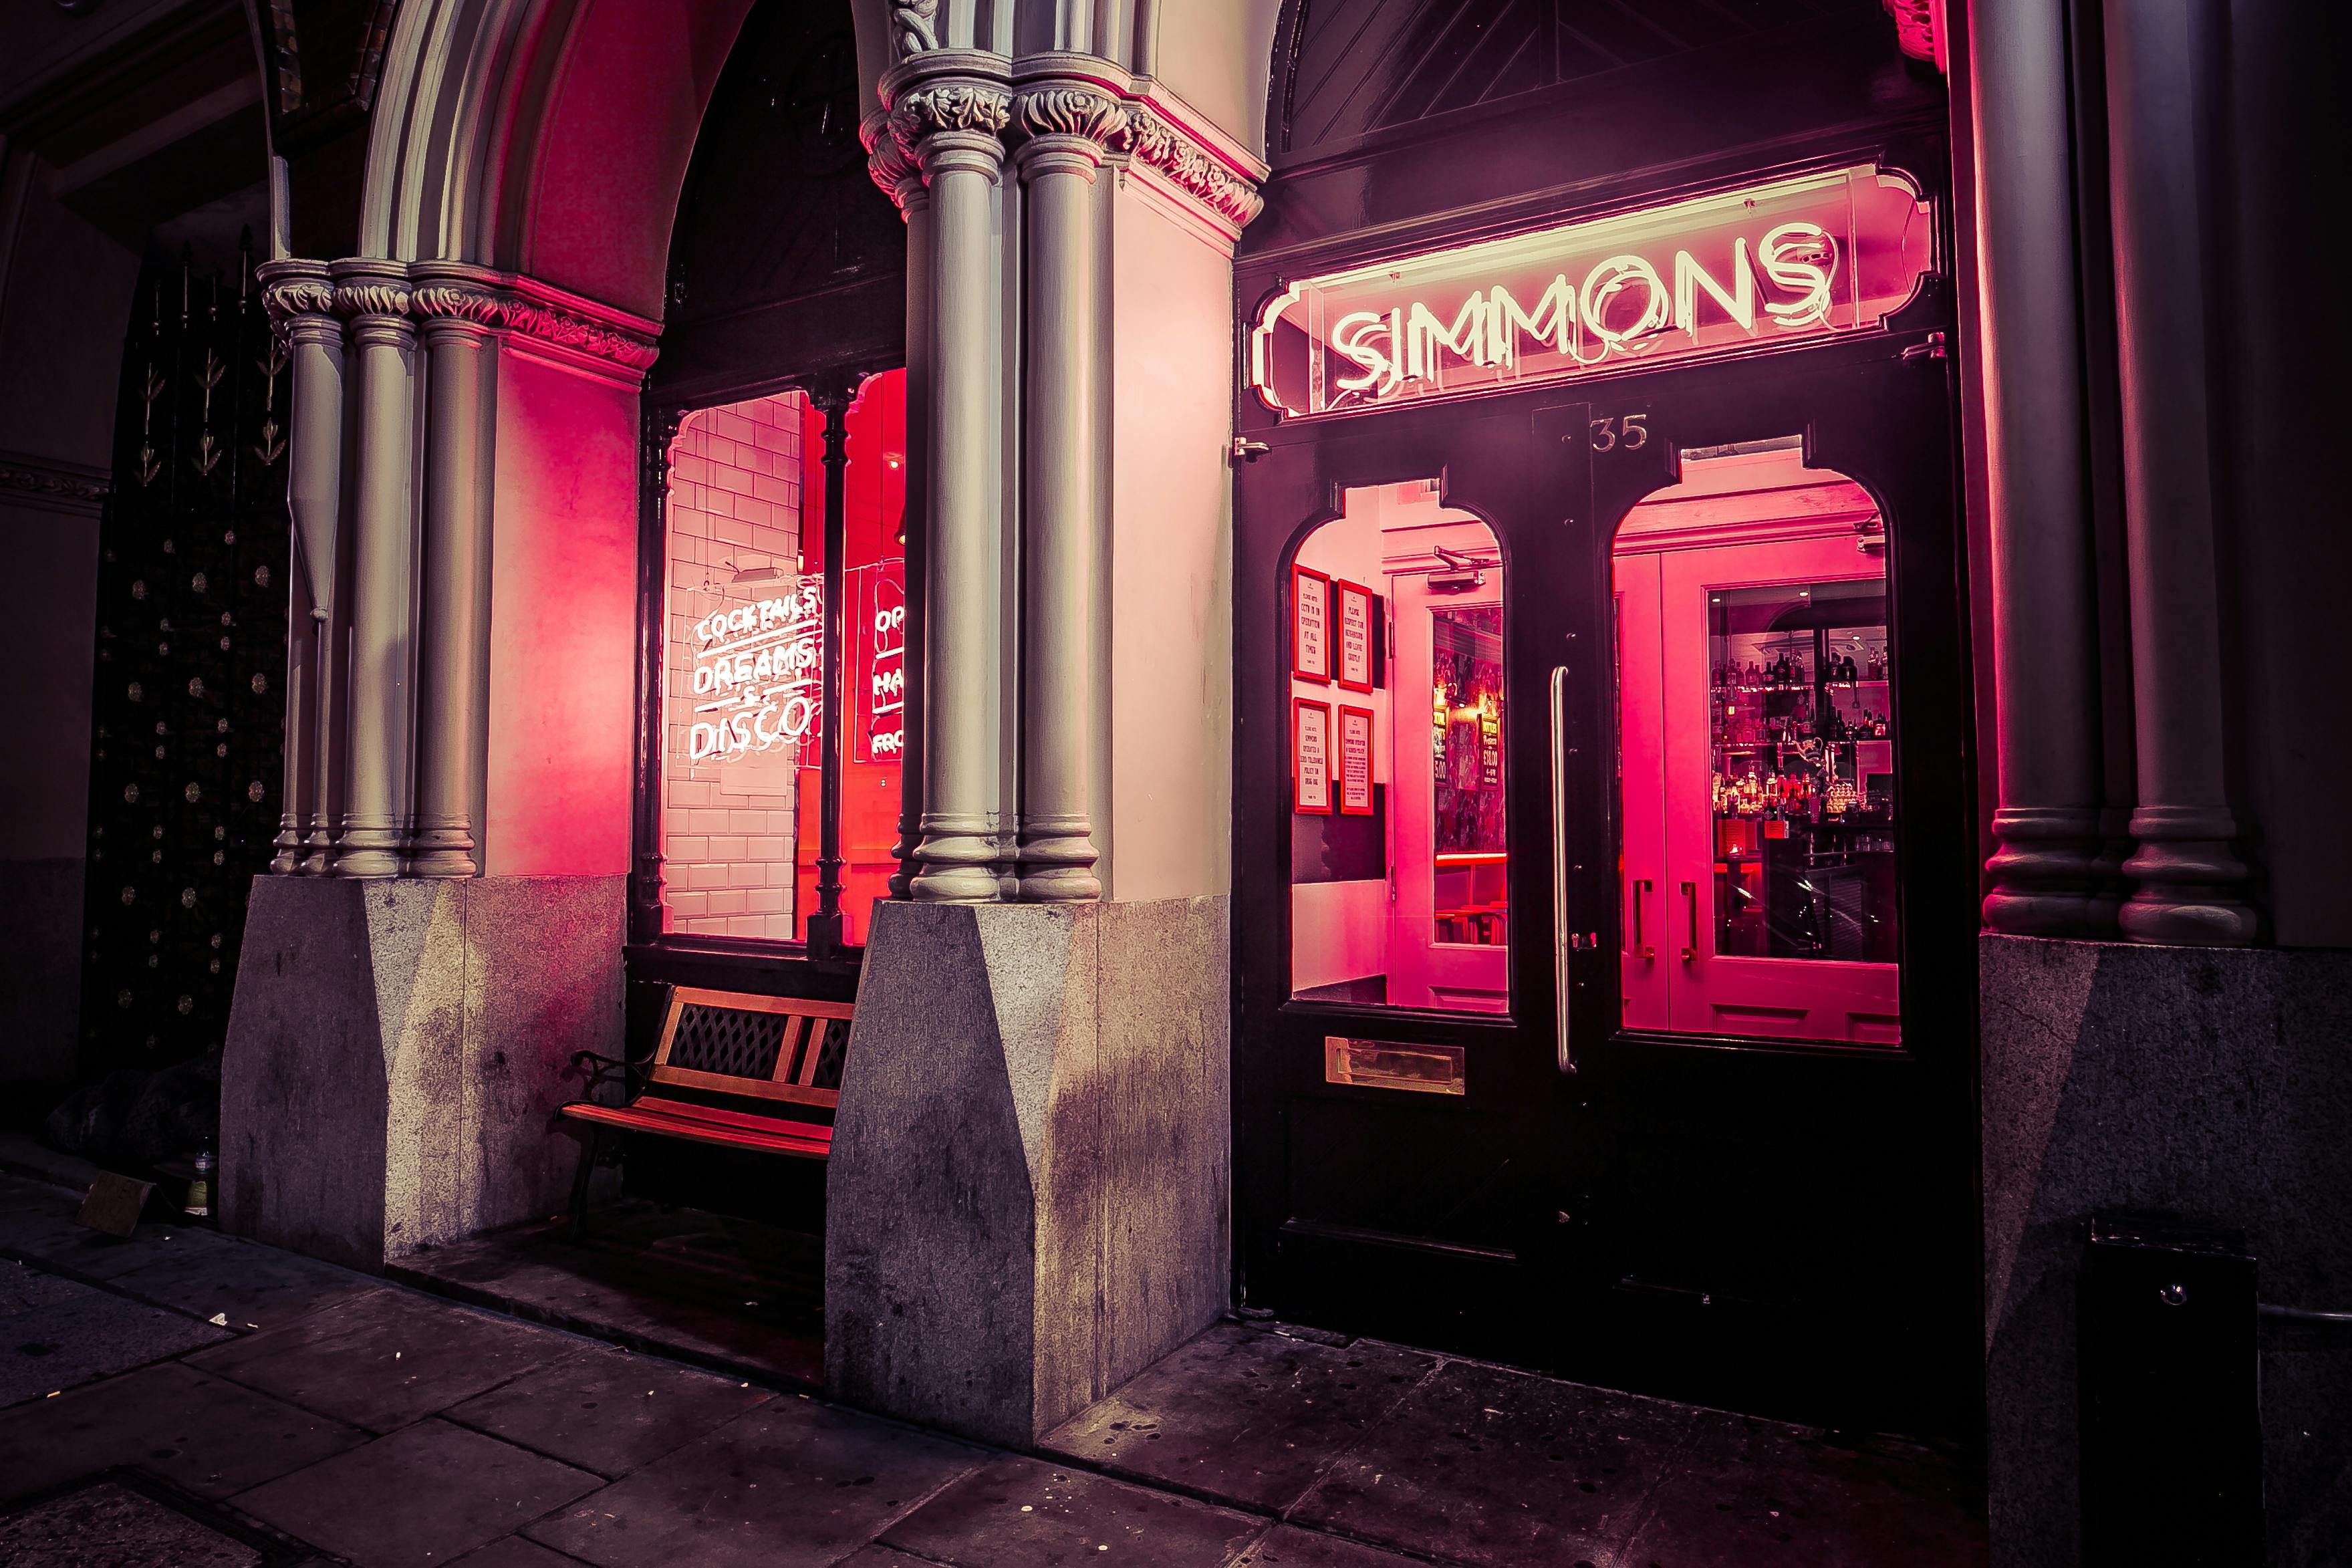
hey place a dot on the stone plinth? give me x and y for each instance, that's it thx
(1028, 1199)
(2212, 1083)
(396, 1052)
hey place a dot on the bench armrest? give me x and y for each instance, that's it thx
(599, 1070)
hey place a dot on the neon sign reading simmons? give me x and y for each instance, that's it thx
(758, 674)
(1795, 260)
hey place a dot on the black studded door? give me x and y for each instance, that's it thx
(188, 719)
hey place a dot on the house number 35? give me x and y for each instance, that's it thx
(1629, 432)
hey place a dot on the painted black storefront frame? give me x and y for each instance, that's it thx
(1879, 408)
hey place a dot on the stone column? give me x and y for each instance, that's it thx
(2160, 126)
(456, 304)
(902, 182)
(300, 298)
(2046, 879)
(373, 294)
(1067, 123)
(949, 125)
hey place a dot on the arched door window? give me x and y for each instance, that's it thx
(1399, 848)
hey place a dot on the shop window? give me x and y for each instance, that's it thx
(1398, 843)
(1757, 754)
(747, 686)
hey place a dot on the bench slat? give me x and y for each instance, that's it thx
(711, 1124)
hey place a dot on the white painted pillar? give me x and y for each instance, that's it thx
(374, 296)
(455, 304)
(2160, 128)
(949, 126)
(300, 298)
(902, 181)
(2047, 880)
(1067, 123)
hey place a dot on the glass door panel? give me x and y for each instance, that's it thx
(1645, 902)
(1756, 753)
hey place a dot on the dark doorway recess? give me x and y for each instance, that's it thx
(1449, 1128)
(785, 297)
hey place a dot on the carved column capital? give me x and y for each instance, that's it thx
(889, 164)
(1069, 126)
(454, 298)
(949, 109)
(374, 295)
(300, 298)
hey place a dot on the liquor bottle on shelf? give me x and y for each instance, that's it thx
(1846, 670)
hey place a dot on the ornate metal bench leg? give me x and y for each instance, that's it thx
(591, 1137)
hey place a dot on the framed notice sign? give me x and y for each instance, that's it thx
(1310, 756)
(1354, 609)
(1355, 762)
(1310, 623)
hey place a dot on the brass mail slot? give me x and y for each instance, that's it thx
(1384, 1063)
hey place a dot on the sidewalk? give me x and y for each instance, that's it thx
(191, 1400)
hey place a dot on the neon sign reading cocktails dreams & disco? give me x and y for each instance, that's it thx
(1795, 260)
(758, 674)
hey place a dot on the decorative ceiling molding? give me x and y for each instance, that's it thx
(52, 486)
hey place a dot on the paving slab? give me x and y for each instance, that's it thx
(416, 1499)
(724, 1293)
(55, 1334)
(39, 1225)
(109, 1525)
(1287, 1546)
(211, 1437)
(1016, 1513)
(608, 1410)
(386, 1358)
(514, 1552)
(793, 1484)
(1242, 1413)
(1748, 1494)
(1501, 1469)
(254, 1287)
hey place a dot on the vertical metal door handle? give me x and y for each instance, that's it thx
(1690, 891)
(1640, 949)
(1563, 939)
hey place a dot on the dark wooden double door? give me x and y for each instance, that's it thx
(1781, 1226)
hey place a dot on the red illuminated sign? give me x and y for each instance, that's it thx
(1793, 261)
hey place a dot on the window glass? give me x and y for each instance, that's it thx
(745, 686)
(1802, 787)
(1398, 843)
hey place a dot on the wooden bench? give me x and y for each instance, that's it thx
(724, 1058)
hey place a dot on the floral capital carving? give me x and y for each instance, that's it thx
(552, 323)
(457, 301)
(888, 163)
(949, 106)
(1070, 110)
(1154, 143)
(371, 297)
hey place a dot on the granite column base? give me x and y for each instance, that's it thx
(1028, 1200)
(2213, 1083)
(397, 1049)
